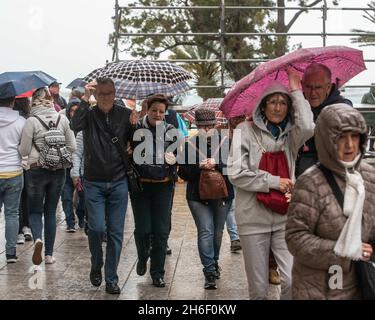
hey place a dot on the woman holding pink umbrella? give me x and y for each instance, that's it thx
(261, 167)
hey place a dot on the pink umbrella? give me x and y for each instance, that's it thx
(212, 103)
(344, 63)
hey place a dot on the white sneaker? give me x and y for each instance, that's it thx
(20, 239)
(27, 233)
(37, 255)
(49, 260)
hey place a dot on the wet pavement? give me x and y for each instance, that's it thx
(68, 278)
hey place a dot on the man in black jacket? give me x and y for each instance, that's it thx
(320, 92)
(105, 181)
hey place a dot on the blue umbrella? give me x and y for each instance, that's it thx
(15, 83)
(77, 83)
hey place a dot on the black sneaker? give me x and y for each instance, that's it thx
(235, 245)
(210, 283)
(158, 282)
(112, 288)
(141, 267)
(168, 250)
(11, 258)
(96, 277)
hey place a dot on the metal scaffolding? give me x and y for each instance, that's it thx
(220, 34)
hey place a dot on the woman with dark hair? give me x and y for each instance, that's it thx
(151, 207)
(282, 122)
(203, 153)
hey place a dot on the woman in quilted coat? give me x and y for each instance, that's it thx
(327, 232)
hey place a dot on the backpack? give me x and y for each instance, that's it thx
(53, 155)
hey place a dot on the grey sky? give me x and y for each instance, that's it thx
(68, 39)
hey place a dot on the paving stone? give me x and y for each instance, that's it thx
(68, 278)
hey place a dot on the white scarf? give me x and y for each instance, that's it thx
(349, 243)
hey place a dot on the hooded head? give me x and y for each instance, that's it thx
(71, 107)
(334, 121)
(274, 107)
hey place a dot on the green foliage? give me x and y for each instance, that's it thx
(208, 47)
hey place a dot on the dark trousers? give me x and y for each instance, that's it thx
(305, 161)
(152, 223)
(44, 188)
(23, 209)
(67, 203)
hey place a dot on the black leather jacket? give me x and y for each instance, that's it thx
(103, 162)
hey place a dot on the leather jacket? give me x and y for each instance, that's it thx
(103, 162)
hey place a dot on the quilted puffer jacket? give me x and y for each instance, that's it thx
(315, 218)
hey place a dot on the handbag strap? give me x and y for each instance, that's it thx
(44, 126)
(333, 184)
(116, 141)
(212, 155)
(257, 139)
(262, 148)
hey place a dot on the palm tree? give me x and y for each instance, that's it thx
(206, 73)
(369, 38)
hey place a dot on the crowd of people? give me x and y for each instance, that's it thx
(107, 153)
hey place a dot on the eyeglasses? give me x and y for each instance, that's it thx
(277, 102)
(316, 88)
(104, 94)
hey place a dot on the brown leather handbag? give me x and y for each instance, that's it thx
(212, 184)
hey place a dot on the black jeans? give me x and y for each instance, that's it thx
(152, 218)
(24, 208)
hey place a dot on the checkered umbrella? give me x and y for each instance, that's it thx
(138, 79)
(212, 103)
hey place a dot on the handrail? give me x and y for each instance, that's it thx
(239, 7)
(221, 34)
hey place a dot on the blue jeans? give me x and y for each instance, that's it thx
(231, 223)
(106, 204)
(210, 220)
(44, 188)
(67, 203)
(10, 194)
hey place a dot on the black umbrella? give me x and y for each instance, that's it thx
(76, 83)
(15, 83)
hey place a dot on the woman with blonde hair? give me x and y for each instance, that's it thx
(43, 185)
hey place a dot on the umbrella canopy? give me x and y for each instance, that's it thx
(76, 83)
(15, 83)
(138, 79)
(27, 94)
(344, 63)
(212, 103)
